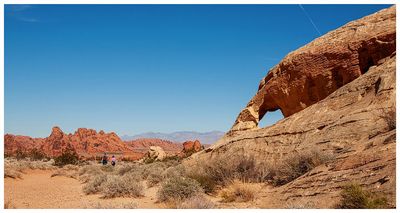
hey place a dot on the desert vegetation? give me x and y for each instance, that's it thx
(353, 196)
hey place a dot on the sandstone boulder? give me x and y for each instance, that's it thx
(156, 153)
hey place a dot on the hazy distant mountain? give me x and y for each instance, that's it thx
(182, 136)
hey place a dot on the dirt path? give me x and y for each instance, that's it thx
(38, 190)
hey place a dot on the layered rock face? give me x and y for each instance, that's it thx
(86, 142)
(314, 71)
(338, 96)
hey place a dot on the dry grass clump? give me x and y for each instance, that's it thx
(296, 165)
(300, 205)
(94, 185)
(178, 188)
(354, 197)
(125, 186)
(114, 205)
(11, 173)
(196, 202)
(13, 168)
(65, 173)
(153, 179)
(239, 191)
(221, 170)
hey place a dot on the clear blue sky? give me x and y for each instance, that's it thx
(138, 68)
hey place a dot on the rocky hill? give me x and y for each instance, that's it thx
(86, 142)
(338, 95)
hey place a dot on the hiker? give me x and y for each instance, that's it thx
(113, 160)
(104, 159)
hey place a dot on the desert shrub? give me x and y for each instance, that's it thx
(238, 191)
(300, 205)
(296, 165)
(196, 202)
(153, 168)
(94, 185)
(107, 168)
(389, 116)
(178, 188)
(153, 179)
(11, 173)
(65, 173)
(36, 154)
(114, 205)
(222, 170)
(67, 157)
(174, 171)
(354, 197)
(125, 186)
(19, 154)
(123, 169)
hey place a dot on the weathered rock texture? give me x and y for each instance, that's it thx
(351, 72)
(156, 153)
(190, 147)
(87, 143)
(314, 71)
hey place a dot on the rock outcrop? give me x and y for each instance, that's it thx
(190, 147)
(142, 145)
(155, 153)
(87, 143)
(314, 71)
(338, 97)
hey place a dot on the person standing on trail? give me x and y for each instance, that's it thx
(104, 159)
(113, 160)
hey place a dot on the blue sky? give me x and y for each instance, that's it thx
(139, 68)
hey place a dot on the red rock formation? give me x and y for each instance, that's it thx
(142, 145)
(190, 147)
(314, 71)
(86, 142)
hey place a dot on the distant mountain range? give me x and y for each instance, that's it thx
(181, 136)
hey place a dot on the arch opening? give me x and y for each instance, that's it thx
(270, 118)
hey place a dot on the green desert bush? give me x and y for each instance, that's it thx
(294, 166)
(354, 197)
(36, 154)
(239, 191)
(178, 188)
(125, 186)
(196, 202)
(94, 185)
(67, 157)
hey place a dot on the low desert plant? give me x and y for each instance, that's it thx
(11, 173)
(94, 185)
(239, 191)
(124, 186)
(36, 154)
(114, 205)
(196, 202)
(354, 197)
(296, 165)
(65, 173)
(221, 170)
(69, 156)
(178, 188)
(153, 179)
